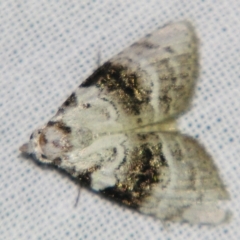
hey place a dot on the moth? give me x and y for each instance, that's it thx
(117, 132)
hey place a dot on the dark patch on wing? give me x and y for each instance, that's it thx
(86, 105)
(163, 160)
(145, 44)
(61, 126)
(57, 161)
(113, 105)
(85, 178)
(51, 123)
(178, 155)
(123, 162)
(165, 102)
(60, 111)
(96, 76)
(142, 136)
(169, 49)
(42, 139)
(71, 101)
(43, 156)
(121, 83)
(139, 120)
(143, 171)
(65, 129)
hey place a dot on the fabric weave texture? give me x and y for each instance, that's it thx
(47, 49)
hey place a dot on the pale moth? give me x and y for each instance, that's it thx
(116, 133)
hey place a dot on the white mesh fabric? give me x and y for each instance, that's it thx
(47, 48)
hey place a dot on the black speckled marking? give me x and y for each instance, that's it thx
(169, 49)
(65, 129)
(61, 126)
(60, 111)
(122, 84)
(57, 161)
(178, 154)
(98, 74)
(142, 137)
(112, 103)
(143, 172)
(43, 156)
(86, 105)
(51, 123)
(145, 44)
(71, 101)
(85, 178)
(163, 160)
(139, 120)
(165, 102)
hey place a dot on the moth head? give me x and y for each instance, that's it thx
(47, 144)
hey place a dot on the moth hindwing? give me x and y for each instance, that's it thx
(116, 133)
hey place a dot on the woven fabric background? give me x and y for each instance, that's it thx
(47, 48)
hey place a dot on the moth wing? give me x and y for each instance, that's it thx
(167, 175)
(153, 79)
(167, 64)
(190, 189)
(149, 82)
